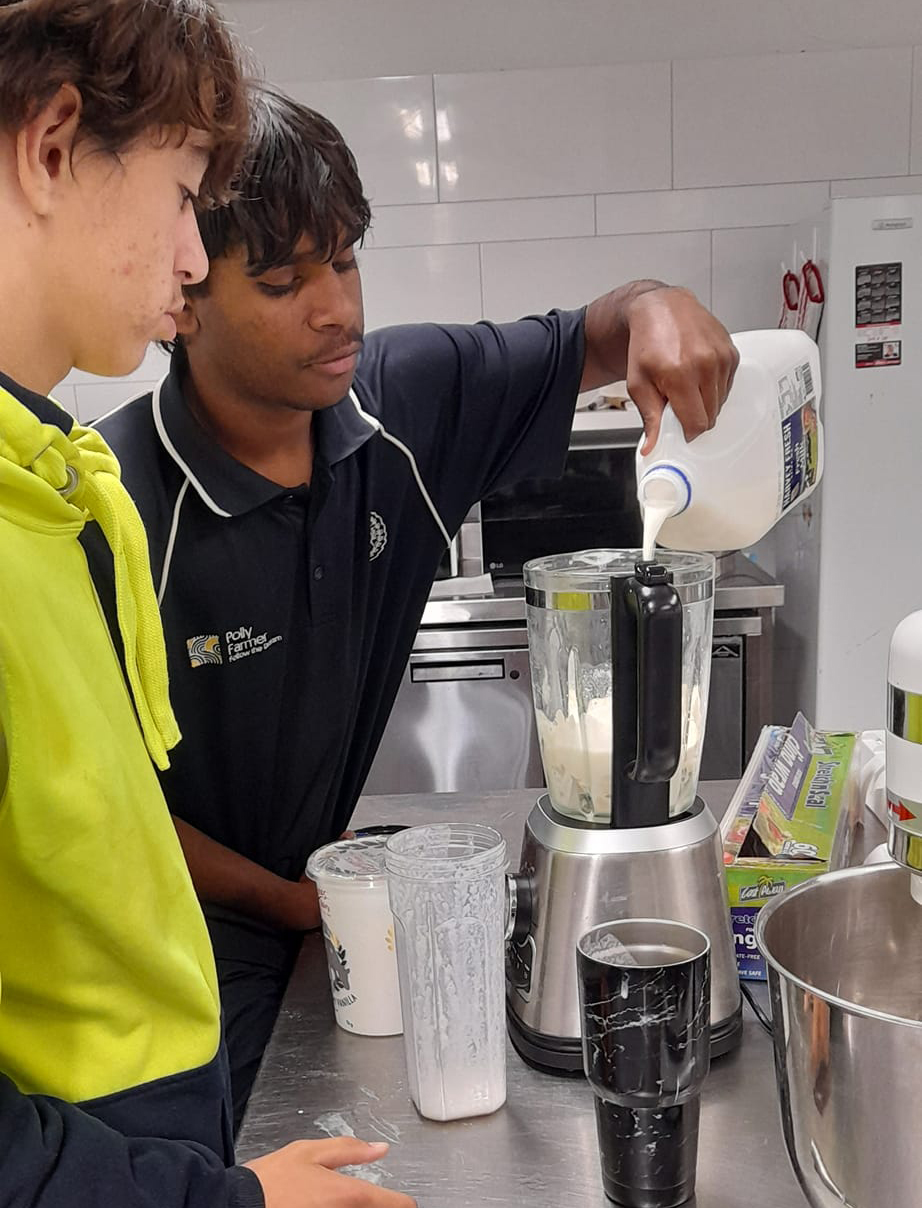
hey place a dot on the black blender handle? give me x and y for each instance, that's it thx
(658, 611)
(646, 635)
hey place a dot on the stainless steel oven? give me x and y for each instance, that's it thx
(463, 721)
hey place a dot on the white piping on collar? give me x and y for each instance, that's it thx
(378, 427)
(171, 541)
(174, 452)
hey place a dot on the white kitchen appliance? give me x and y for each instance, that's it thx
(832, 639)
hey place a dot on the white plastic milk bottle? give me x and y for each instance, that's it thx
(725, 490)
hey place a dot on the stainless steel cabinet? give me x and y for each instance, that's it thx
(463, 720)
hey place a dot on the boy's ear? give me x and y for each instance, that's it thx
(45, 147)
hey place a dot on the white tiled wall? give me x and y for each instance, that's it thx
(322, 40)
(753, 120)
(535, 275)
(89, 397)
(439, 284)
(390, 126)
(549, 133)
(497, 192)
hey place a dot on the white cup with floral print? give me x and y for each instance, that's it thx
(358, 934)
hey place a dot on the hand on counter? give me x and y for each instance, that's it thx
(668, 347)
(306, 1174)
(300, 908)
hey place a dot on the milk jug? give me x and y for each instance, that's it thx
(726, 489)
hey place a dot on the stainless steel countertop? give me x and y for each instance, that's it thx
(741, 585)
(540, 1148)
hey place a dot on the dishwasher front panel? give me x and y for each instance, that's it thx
(464, 722)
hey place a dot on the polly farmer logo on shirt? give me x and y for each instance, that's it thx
(209, 650)
(204, 650)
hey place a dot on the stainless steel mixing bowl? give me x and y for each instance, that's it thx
(844, 954)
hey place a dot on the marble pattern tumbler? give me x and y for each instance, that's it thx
(644, 988)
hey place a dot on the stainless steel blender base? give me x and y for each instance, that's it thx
(578, 875)
(563, 1056)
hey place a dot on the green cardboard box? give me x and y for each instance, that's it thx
(792, 817)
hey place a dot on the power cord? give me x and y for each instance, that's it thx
(757, 1009)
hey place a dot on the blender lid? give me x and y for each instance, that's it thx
(581, 581)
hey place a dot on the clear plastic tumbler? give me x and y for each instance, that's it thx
(448, 895)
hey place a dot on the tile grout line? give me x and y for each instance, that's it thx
(912, 108)
(672, 124)
(476, 201)
(435, 131)
(625, 234)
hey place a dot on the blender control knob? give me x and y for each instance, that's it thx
(518, 907)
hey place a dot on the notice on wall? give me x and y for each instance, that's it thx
(876, 354)
(879, 294)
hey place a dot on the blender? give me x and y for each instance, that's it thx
(620, 655)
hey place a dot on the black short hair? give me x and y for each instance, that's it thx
(298, 178)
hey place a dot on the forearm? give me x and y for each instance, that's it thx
(607, 334)
(226, 878)
(53, 1155)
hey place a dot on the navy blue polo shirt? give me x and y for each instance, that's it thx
(290, 613)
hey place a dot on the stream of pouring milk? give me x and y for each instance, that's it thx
(655, 514)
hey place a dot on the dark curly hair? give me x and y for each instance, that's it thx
(139, 66)
(298, 178)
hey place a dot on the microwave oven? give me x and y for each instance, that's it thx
(592, 506)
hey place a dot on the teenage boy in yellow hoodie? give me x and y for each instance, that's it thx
(114, 116)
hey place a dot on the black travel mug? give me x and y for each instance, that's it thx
(644, 987)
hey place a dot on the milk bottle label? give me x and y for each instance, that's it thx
(799, 434)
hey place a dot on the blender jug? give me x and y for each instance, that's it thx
(587, 692)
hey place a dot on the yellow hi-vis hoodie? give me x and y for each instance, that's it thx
(108, 992)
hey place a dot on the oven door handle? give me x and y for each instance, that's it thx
(737, 627)
(428, 673)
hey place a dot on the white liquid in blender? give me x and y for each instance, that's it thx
(576, 750)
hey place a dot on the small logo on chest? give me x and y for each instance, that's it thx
(378, 536)
(204, 650)
(210, 649)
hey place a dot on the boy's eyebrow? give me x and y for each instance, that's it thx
(293, 259)
(309, 255)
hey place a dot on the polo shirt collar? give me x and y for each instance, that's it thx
(225, 485)
(341, 430)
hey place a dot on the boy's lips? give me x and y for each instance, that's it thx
(338, 364)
